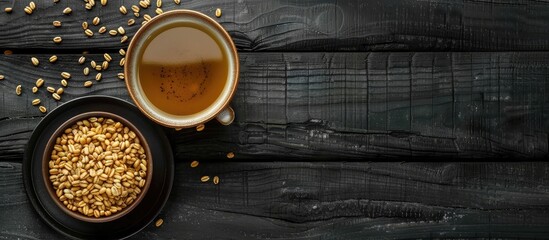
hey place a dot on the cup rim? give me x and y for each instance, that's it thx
(49, 147)
(133, 49)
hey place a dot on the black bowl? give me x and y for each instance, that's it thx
(130, 223)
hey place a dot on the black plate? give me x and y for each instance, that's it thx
(129, 224)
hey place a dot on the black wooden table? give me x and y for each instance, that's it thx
(355, 119)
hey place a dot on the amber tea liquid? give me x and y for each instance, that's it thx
(183, 69)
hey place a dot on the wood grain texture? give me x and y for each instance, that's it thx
(326, 25)
(353, 80)
(336, 105)
(331, 200)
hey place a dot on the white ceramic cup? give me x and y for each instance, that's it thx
(220, 108)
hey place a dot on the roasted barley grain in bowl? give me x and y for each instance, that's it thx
(98, 167)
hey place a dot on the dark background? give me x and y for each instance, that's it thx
(354, 119)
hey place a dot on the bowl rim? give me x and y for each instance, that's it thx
(49, 148)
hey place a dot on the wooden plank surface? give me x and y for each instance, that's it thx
(324, 80)
(326, 25)
(334, 200)
(335, 105)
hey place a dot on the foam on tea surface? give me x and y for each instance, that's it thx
(183, 69)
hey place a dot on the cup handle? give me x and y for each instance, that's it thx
(226, 116)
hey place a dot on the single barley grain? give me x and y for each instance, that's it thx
(121, 30)
(35, 61)
(88, 84)
(65, 75)
(39, 82)
(123, 10)
(53, 58)
(105, 65)
(107, 57)
(218, 12)
(67, 11)
(194, 164)
(42, 109)
(56, 96)
(159, 222)
(89, 32)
